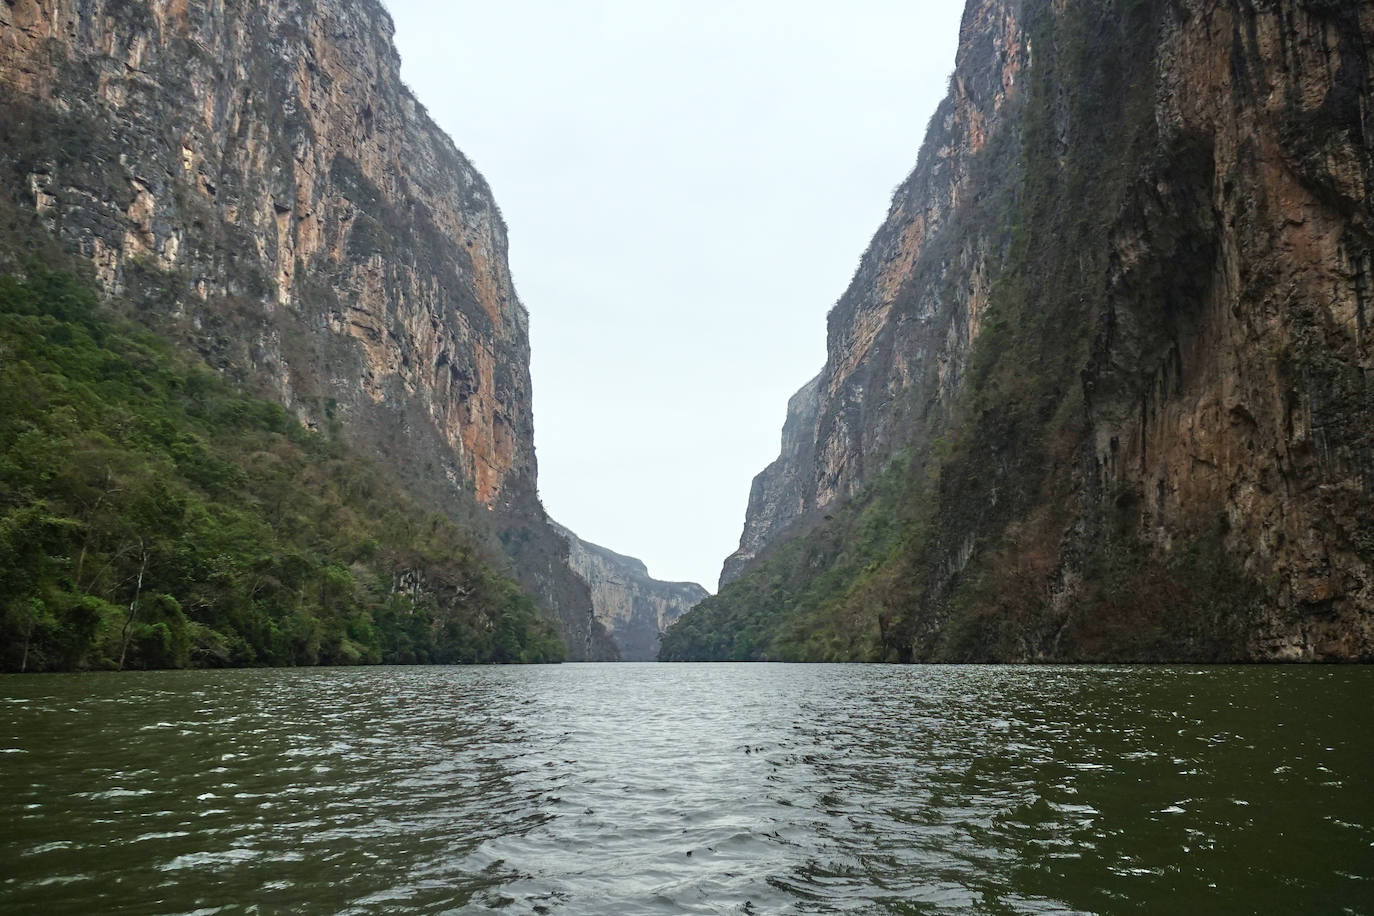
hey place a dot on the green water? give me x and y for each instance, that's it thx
(690, 789)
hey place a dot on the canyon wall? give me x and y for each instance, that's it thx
(634, 607)
(890, 370)
(781, 493)
(1099, 388)
(257, 178)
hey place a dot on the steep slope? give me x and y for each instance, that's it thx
(634, 607)
(259, 183)
(153, 515)
(1099, 387)
(898, 337)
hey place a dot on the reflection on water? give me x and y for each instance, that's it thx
(690, 789)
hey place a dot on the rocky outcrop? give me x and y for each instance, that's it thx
(633, 607)
(259, 179)
(1116, 324)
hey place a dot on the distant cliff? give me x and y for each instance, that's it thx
(258, 181)
(633, 607)
(1099, 388)
(782, 492)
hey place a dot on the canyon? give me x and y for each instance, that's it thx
(1098, 390)
(634, 607)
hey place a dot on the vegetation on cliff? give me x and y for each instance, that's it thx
(805, 600)
(152, 515)
(994, 536)
(304, 227)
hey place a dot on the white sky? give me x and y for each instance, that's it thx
(688, 187)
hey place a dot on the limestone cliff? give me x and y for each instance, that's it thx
(257, 177)
(1100, 384)
(634, 607)
(780, 494)
(886, 365)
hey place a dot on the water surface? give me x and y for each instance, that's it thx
(627, 789)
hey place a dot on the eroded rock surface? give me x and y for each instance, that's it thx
(1163, 212)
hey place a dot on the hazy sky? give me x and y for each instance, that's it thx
(688, 187)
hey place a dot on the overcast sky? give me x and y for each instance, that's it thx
(688, 187)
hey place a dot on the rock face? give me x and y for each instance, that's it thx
(884, 364)
(260, 180)
(633, 607)
(1116, 326)
(780, 494)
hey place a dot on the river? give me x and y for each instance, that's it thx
(629, 789)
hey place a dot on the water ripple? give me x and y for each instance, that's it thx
(689, 789)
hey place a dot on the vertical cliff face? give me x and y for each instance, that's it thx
(1101, 379)
(780, 495)
(634, 607)
(258, 178)
(1237, 395)
(899, 336)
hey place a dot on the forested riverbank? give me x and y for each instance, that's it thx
(154, 515)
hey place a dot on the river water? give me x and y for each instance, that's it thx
(628, 789)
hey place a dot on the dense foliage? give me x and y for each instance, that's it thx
(810, 598)
(152, 515)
